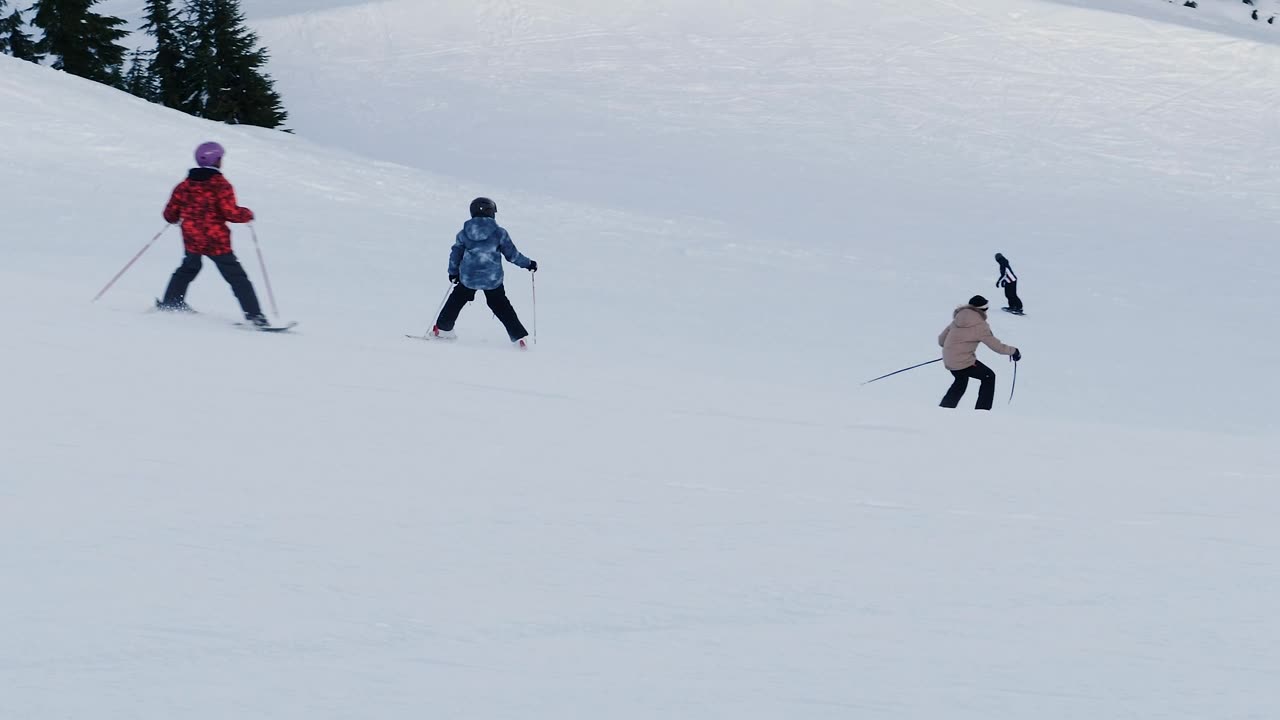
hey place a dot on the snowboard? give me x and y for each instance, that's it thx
(1012, 311)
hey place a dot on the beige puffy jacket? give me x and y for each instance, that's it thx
(959, 342)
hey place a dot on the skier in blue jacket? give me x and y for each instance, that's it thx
(475, 263)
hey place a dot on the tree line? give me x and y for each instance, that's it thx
(203, 60)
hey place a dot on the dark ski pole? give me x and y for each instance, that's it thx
(129, 264)
(895, 372)
(1014, 386)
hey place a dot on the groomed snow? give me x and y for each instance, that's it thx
(681, 503)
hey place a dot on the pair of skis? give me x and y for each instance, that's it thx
(520, 344)
(160, 307)
(269, 328)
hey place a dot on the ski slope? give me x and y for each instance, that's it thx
(682, 502)
(1230, 17)
(883, 152)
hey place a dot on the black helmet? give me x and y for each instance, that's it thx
(483, 207)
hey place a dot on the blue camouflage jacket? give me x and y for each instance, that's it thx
(477, 254)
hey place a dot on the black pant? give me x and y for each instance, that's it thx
(498, 303)
(986, 393)
(232, 271)
(1011, 294)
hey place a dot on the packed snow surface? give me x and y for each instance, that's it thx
(682, 502)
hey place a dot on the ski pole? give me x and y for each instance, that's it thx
(1014, 386)
(895, 372)
(266, 279)
(129, 264)
(447, 292)
(533, 285)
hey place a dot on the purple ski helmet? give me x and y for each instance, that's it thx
(209, 154)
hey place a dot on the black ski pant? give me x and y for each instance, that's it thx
(986, 393)
(498, 303)
(232, 271)
(1011, 294)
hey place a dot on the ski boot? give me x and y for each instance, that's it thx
(178, 305)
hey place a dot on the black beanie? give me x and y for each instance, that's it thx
(978, 302)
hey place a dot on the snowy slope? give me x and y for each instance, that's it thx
(1230, 17)
(1113, 159)
(681, 503)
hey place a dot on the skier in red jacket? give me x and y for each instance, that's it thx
(204, 203)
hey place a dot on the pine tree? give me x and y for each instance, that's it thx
(223, 76)
(14, 40)
(115, 78)
(139, 81)
(200, 63)
(81, 41)
(165, 68)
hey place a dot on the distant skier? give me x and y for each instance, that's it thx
(1009, 281)
(959, 342)
(204, 203)
(475, 263)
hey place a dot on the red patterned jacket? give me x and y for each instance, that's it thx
(205, 203)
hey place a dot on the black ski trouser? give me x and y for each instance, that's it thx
(497, 301)
(232, 271)
(1011, 294)
(986, 393)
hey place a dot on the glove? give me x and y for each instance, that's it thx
(1017, 355)
(533, 266)
(454, 279)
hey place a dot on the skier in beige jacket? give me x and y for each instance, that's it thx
(959, 343)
